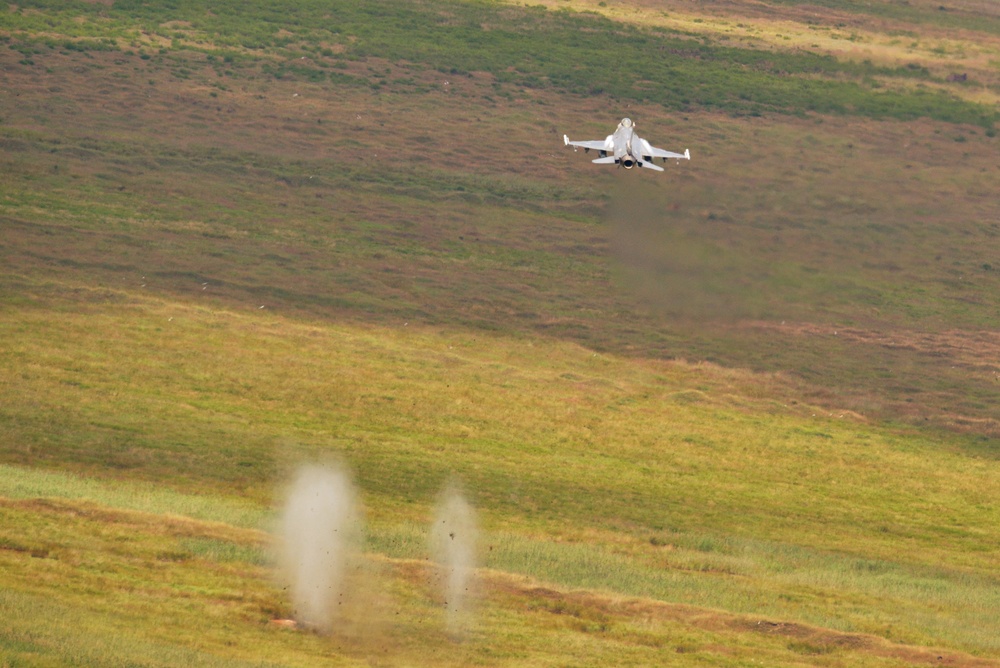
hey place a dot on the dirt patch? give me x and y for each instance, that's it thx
(806, 639)
(812, 640)
(169, 525)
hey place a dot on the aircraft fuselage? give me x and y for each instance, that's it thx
(623, 138)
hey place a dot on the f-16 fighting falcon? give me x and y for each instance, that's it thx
(626, 149)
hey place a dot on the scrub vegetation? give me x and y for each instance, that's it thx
(528, 47)
(743, 411)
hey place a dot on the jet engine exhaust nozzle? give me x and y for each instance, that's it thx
(628, 163)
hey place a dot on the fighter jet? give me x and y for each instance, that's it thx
(626, 149)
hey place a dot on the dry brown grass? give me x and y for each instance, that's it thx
(756, 184)
(975, 354)
(843, 34)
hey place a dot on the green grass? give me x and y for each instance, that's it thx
(42, 632)
(686, 568)
(20, 483)
(410, 408)
(739, 575)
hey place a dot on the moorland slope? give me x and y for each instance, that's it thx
(742, 411)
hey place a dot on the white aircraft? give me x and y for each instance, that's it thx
(626, 148)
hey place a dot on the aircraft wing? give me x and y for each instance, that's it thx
(660, 153)
(654, 152)
(607, 144)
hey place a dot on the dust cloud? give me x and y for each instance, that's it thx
(320, 534)
(453, 541)
(335, 590)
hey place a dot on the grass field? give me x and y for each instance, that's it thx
(741, 413)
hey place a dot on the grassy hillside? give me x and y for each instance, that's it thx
(194, 149)
(592, 473)
(741, 411)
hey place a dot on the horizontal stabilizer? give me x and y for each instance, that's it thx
(648, 164)
(610, 160)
